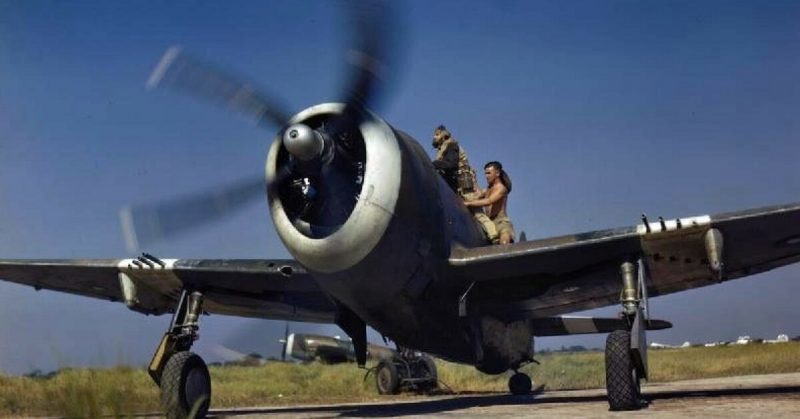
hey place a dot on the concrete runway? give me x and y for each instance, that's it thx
(776, 395)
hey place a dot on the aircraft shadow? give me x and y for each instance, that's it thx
(489, 399)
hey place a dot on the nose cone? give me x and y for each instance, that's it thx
(303, 142)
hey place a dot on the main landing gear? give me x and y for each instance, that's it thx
(623, 383)
(182, 375)
(407, 370)
(626, 350)
(520, 384)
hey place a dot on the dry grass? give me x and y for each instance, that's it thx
(120, 391)
(79, 393)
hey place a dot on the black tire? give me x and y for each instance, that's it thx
(622, 379)
(520, 384)
(430, 367)
(185, 386)
(387, 380)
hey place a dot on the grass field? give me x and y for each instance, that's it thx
(123, 390)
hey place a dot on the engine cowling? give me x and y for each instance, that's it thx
(331, 217)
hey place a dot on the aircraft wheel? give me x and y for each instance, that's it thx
(430, 367)
(622, 379)
(520, 384)
(386, 378)
(185, 386)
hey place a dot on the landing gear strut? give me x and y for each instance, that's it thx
(407, 370)
(626, 350)
(182, 375)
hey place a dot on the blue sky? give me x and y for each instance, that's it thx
(599, 111)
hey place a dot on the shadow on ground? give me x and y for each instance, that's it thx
(467, 401)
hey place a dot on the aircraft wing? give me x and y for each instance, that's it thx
(274, 289)
(565, 274)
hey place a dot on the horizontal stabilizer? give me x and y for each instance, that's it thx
(567, 325)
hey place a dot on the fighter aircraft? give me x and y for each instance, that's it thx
(379, 240)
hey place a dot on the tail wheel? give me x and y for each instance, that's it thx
(622, 378)
(185, 386)
(386, 378)
(520, 384)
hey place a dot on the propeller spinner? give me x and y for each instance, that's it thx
(303, 143)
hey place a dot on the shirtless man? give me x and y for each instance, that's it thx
(496, 198)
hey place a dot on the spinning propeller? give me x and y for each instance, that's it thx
(321, 162)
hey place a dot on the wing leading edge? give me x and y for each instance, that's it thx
(565, 274)
(274, 289)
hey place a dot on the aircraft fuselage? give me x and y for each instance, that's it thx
(402, 284)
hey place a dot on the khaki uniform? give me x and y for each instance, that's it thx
(502, 224)
(487, 225)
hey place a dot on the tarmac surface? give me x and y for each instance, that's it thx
(775, 395)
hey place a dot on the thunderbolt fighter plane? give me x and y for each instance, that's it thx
(378, 239)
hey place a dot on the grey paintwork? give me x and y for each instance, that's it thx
(410, 262)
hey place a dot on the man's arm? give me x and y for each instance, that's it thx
(496, 193)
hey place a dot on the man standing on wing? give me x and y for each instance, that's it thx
(496, 199)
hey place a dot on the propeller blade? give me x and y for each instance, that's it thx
(369, 61)
(177, 70)
(145, 224)
(369, 58)
(181, 72)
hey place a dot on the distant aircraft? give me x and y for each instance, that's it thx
(327, 349)
(307, 347)
(779, 339)
(412, 371)
(379, 239)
